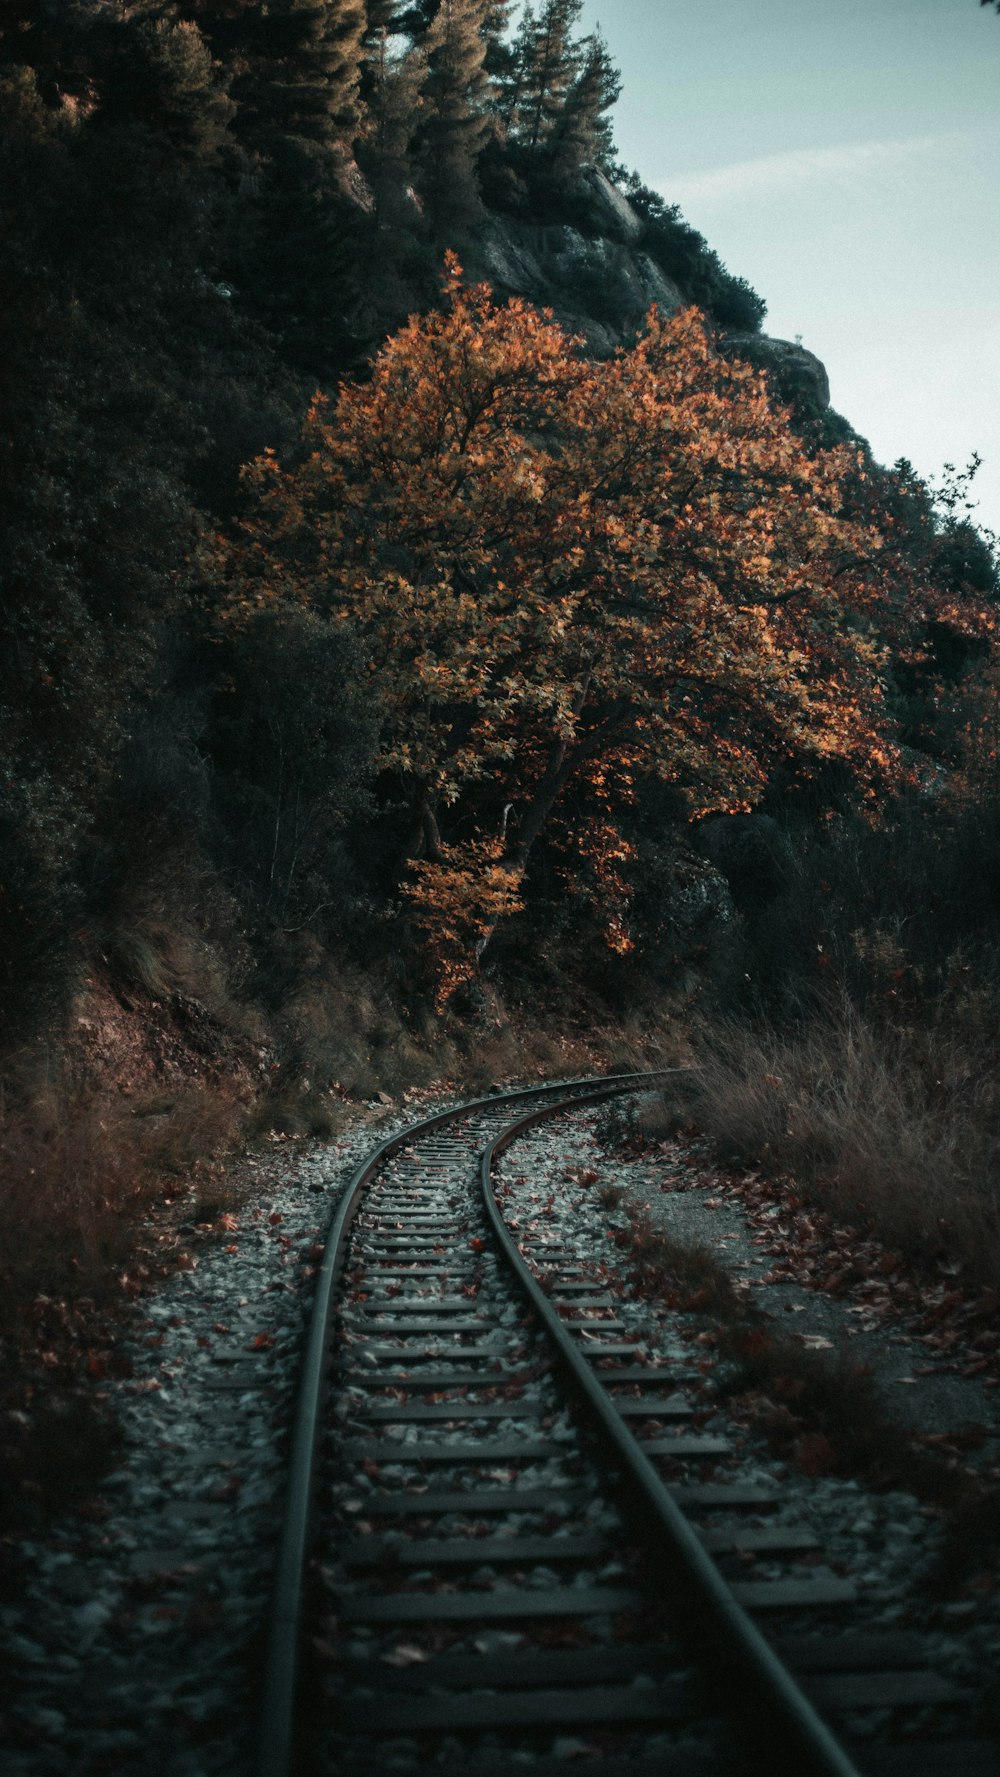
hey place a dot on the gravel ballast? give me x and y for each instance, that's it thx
(132, 1647)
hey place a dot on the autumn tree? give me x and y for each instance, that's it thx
(566, 572)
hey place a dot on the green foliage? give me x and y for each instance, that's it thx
(685, 255)
(296, 67)
(454, 123)
(546, 59)
(582, 132)
(291, 742)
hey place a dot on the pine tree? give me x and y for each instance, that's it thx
(383, 17)
(393, 83)
(499, 50)
(581, 134)
(300, 88)
(507, 65)
(548, 64)
(455, 122)
(165, 76)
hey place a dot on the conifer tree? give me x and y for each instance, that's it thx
(582, 133)
(455, 123)
(383, 16)
(165, 77)
(303, 70)
(393, 83)
(506, 63)
(499, 50)
(548, 63)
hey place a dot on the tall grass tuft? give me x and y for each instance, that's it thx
(893, 1123)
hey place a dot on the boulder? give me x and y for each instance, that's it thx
(796, 375)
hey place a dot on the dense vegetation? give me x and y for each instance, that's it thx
(448, 681)
(211, 207)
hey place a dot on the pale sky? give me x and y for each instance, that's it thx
(844, 157)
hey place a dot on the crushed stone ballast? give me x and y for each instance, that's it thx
(498, 1532)
(135, 1645)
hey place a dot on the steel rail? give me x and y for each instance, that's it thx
(276, 1721)
(796, 1739)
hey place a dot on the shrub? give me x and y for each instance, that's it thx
(685, 255)
(292, 742)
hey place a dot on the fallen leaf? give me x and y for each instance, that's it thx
(406, 1654)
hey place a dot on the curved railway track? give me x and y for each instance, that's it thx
(500, 1533)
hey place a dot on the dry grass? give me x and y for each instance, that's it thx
(79, 1177)
(343, 1032)
(79, 1173)
(74, 1180)
(684, 1274)
(893, 1125)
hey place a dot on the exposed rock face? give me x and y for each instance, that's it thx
(598, 286)
(612, 214)
(599, 282)
(796, 375)
(697, 903)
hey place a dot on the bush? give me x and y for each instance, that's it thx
(685, 255)
(292, 742)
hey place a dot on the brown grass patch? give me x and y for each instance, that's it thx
(80, 1177)
(894, 1126)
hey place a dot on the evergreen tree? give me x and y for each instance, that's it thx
(161, 75)
(506, 63)
(393, 84)
(548, 62)
(455, 123)
(298, 92)
(383, 16)
(499, 49)
(581, 134)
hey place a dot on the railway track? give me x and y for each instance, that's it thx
(508, 1542)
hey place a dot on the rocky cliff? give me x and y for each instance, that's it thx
(599, 282)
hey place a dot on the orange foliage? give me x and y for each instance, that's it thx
(457, 901)
(566, 569)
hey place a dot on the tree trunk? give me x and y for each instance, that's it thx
(515, 858)
(553, 780)
(425, 835)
